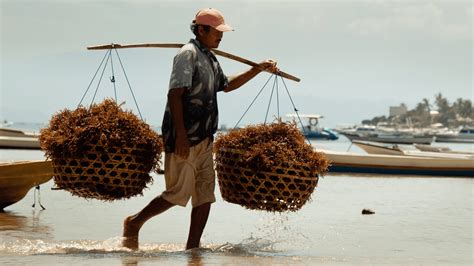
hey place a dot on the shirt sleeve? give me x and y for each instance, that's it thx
(183, 68)
(224, 82)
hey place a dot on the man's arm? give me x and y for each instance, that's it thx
(176, 106)
(238, 80)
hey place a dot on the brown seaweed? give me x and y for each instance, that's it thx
(265, 146)
(71, 131)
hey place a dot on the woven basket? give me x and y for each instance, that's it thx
(284, 188)
(104, 173)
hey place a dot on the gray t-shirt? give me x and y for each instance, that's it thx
(196, 69)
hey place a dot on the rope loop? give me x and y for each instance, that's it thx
(109, 57)
(275, 89)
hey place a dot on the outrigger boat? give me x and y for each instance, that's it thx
(464, 135)
(10, 132)
(390, 137)
(412, 150)
(19, 143)
(18, 139)
(344, 162)
(17, 178)
(374, 134)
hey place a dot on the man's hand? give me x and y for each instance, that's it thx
(182, 146)
(269, 65)
(240, 79)
(176, 106)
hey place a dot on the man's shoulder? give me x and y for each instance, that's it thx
(188, 47)
(187, 52)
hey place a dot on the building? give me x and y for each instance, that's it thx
(398, 110)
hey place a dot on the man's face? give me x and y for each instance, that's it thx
(210, 39)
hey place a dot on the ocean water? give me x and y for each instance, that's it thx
(417, 221)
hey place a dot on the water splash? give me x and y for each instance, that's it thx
(283, 230)
(111, 245)
(249, 246)
(274, 235)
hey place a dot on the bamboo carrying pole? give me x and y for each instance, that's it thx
(179, 45)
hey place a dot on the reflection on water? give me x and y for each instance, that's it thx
(129, 261)
(195, 257)
(10, 221)
(13, 225)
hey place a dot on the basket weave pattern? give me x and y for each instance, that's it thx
(284, 188)
(105, 173)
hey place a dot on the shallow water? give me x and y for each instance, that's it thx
(417, 220)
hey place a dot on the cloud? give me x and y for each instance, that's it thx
(388, 19)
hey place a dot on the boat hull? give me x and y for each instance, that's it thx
(17, 178)
(399, 165)
(390, 139)
(17, 139)
(435, 152)
(452, 139)
(465, 135)
(19, 143)
(380, 170)
(377, 149)
(324, 134)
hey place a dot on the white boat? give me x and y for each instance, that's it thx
(371, 133)
(19, 143)
(412, 150)
(377, 148)
(11, 132)
(311, 128)
(18, 139)
(423, 147)
(344, 162)
(464, 135)
(17, 178)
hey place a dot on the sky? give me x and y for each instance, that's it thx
(354, 58)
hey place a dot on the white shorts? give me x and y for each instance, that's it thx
(192, 177)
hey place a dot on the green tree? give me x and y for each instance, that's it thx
(446, 115)
(420, 116)
(374, 121)
(463, 108)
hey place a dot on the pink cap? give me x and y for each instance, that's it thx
(212, 17)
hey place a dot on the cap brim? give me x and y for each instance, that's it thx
(224, 27)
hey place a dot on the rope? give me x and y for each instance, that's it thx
(128, 82)
(252, 102)
(270, 101)
(101, 75)
(296, 111)
(349, 147)
(275, 85)
(108, 55)
(278, 100)
(90, 83)
(112, 79)
(39, 198)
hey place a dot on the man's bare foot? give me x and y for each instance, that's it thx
(130, 234)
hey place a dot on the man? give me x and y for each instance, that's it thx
(189, 123)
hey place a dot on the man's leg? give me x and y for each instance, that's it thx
(203, 194)
(199, 217)
(132, 224)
